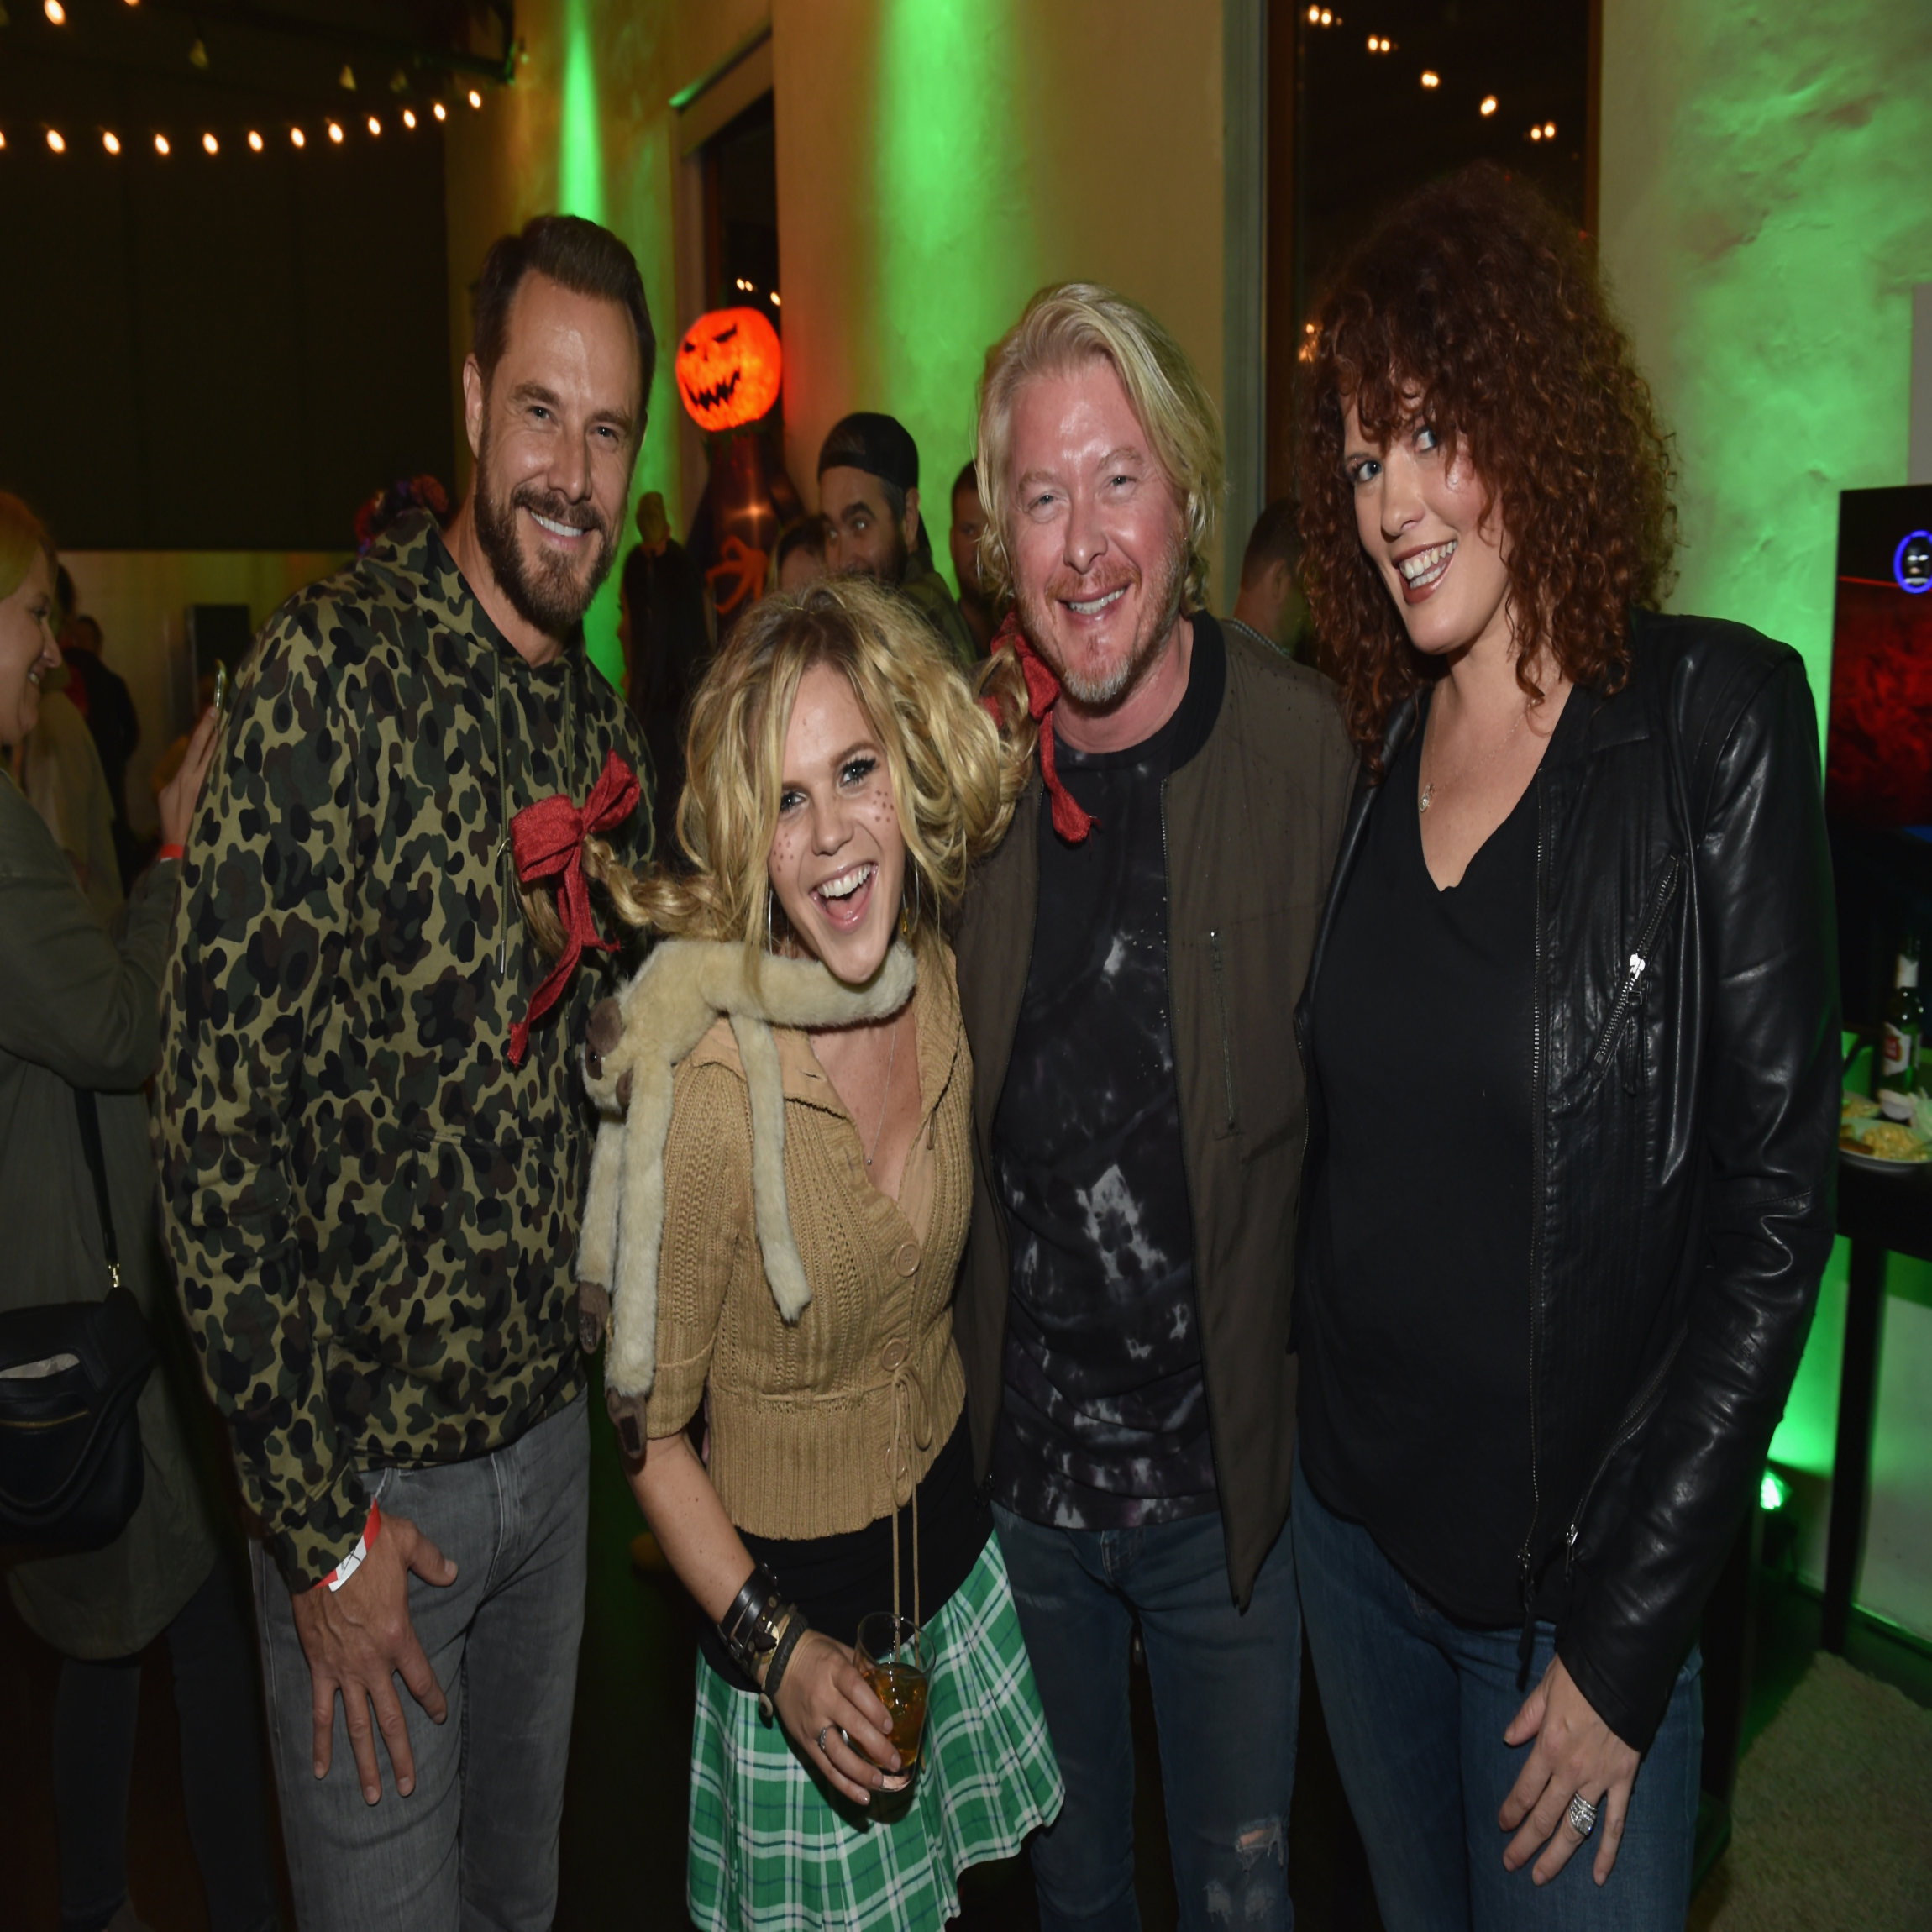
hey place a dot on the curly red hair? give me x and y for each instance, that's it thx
(1475, 309)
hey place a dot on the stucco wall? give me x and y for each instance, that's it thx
(1764, 214)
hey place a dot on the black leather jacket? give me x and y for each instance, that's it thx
(1685, 1088)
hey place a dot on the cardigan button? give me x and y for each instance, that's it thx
(893, 1355)
(906, 1260)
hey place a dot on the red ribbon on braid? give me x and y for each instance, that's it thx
(1071, 820)
(547, 839)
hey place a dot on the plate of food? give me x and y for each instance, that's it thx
(1867, 1139)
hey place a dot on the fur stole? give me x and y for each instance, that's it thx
(675, 999)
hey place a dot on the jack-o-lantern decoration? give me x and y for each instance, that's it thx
(728, 367)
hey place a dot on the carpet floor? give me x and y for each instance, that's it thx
(1833, 1817)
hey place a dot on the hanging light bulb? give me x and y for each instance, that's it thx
(210, 145)
(476, 99)
(110, 140)
(255, 140)
(335, 132)
(56, 141)
(161, 146)
(297, 139)
(1431, 78)
(1489, 106)
(437, 108)
(55, 13)
(409, 116)
(375, 125)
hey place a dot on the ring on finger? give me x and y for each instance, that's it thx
(822, 1730)
(1583, 1815)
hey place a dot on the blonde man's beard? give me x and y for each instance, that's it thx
(1098, 690)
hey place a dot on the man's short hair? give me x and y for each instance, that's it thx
(576, 254)
(1276, 539)
(804, 534)
(967, 479)
(1064, 326)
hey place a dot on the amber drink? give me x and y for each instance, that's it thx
(891, 1657)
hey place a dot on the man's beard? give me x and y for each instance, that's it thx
(551, 596)
(1098, 689)
(895, 567)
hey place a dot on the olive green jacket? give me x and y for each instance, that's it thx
(926, 590)
(373, 1214)
(78, 1010)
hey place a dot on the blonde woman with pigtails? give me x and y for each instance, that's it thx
(778, 1208)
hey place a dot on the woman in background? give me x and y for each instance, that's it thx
(1572, 1032)
(79, 1011)
(841, 780)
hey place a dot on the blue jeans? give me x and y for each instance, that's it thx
(474, 1845)
(1416, 1708)
(1227, 1694)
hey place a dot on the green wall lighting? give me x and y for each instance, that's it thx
(1772, 1494)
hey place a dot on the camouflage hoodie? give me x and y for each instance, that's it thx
(373, 1215)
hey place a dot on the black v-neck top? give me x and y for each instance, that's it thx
(1414, 1403)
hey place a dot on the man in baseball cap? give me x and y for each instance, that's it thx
(869, 488)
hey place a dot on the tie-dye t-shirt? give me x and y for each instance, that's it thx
(1104, 1423)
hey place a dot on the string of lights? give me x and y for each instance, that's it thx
(255, 137)
(1429, 80)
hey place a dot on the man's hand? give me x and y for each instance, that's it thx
(1575, 1751)
(359, 1639)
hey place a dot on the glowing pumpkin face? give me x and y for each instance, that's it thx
(727, 368)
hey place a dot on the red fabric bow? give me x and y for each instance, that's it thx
(547, 839)
(1071, 820)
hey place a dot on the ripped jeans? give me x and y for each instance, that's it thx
(1227, 1692)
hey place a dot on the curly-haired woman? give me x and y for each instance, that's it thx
(779, 1219)
(1571, 1034)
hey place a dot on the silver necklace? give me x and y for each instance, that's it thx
(890, 1057)
(1481, 763)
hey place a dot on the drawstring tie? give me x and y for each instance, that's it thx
(548, 840)
(1071, 819)
(912, 1430)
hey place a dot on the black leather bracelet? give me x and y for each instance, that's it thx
(750, 1626)
(797, 1624)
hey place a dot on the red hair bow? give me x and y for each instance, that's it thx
(547, 839)
(1071, 820)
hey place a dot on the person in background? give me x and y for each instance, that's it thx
(1128, 964)
(1577, 964)
(983, 616)
(397, 500)
(801, 559)
(80, 1013)
(868, 491)
(59, 769)
(1271, 608)
(665, 641)
(839, 1468)
(102, 698)
(374, 1144)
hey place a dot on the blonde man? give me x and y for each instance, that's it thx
(1128, 966)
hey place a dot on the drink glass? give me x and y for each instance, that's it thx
(892, 1655)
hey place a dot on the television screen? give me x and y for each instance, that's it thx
(1878, 737)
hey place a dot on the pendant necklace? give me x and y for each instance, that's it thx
(1481, 763)
(886, 1100)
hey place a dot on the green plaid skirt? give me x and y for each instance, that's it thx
(770, 1850)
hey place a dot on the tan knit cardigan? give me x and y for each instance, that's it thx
(817, 1423)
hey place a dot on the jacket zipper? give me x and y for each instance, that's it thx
(1524, 1579)
(1220, 999)
(1640, 962)
(1634, 1418)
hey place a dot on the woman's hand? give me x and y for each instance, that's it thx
(822, 1693)
(1575, 1751)
(180, 793)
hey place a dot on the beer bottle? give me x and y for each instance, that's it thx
(1898, 1044)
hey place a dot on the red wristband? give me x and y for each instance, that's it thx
(168, 852)
(356, 1558)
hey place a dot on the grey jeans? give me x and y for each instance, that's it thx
(475, 1844)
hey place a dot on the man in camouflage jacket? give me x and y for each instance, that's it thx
(373, 1213)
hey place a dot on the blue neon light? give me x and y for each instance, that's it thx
(1905, 543)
